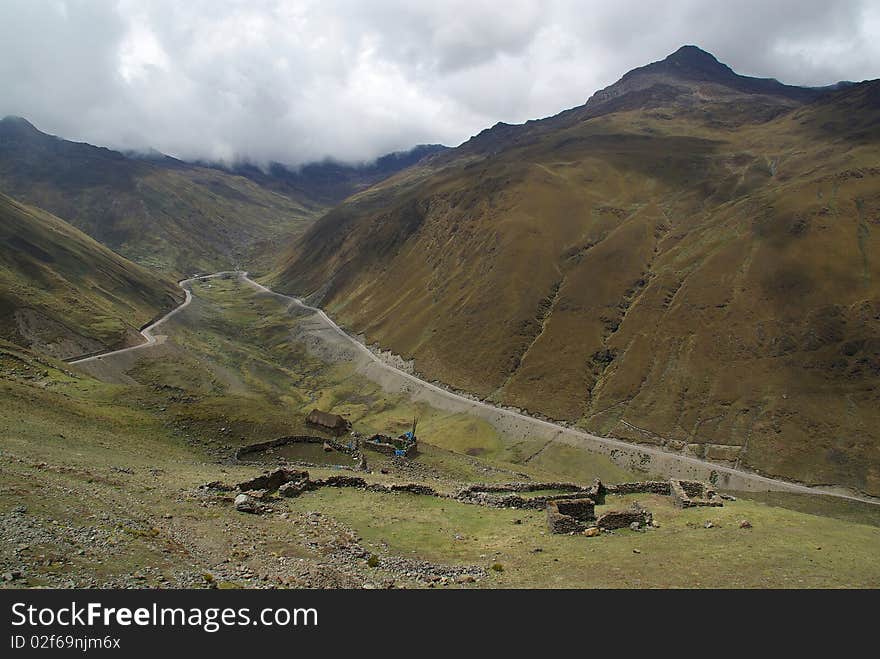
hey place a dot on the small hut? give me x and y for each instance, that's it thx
(328, 422)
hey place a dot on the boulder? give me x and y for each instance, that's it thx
(293, 488)
(272, 480)
(245, 503)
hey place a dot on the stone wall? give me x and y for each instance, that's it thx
(621, 519)
(272, 480)
(641, 487)
(570, 515)
(242, 453)
(524, 487)
(688, 494)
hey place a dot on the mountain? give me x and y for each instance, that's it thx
(64, 294)
(329, 182)
(689, 82)
(155, 210)
(689, 259)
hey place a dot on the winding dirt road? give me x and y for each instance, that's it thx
(674, 464)
(149, 338)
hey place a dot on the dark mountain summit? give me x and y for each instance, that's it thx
(690, 81)
(691, 70)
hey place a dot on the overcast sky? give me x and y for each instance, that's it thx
(300, 80)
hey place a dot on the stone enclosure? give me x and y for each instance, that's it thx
(569, 513)
(566, 515)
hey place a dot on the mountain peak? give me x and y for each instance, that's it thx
(679, 73)
(19, 124)
(692, 63)
(693, 54)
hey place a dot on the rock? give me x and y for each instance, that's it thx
(292, 488)
(272, 480)
(592, 532)
(708, 525)
(247, 504)
(745, 524)
(217, 485)
(634, 526)
(655, 523)
(637, 551)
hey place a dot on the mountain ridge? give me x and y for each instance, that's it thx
(581, 267)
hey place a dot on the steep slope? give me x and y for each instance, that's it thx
(63, 293)
(690, 259)
(159, 212)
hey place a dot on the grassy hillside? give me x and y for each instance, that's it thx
(159, 212)
(686, 260)
(63, 293)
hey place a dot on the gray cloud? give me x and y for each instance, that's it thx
(300, 81)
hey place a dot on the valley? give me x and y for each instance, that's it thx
(635, 344)
(102, 479)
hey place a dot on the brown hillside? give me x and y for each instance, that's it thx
(64, 294)
(697, 265)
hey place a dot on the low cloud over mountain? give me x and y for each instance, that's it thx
(296, 82)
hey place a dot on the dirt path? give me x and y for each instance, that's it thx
(734, 476)
(150, 338)
(646, 458)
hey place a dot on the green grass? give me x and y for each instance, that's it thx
(783, 549)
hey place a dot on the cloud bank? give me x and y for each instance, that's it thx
(298, 81)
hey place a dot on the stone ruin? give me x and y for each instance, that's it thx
(688, 494)
(636, 517)
(570, 515)
(272, 480)
(567, 515)
(254, 493)
(241, 455)
(352, 449)
(506, 495)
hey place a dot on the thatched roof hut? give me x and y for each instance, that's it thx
(327, 421)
